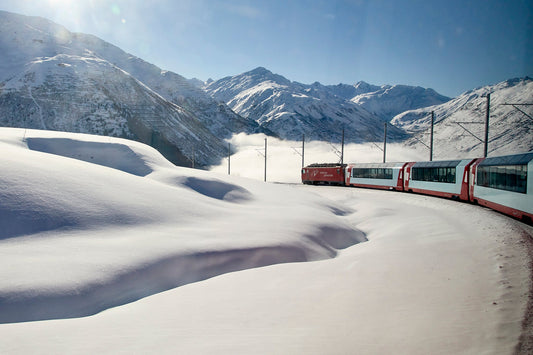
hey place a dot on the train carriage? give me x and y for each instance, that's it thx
(447, 178)
(504, 184)
(388, 176)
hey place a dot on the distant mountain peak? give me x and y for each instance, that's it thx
(363, 87)
(260, 74)
(260, 71)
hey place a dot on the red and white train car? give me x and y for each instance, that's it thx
(504, 184)
(387, 176)
(438, 178)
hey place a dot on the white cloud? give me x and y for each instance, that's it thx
(284, 159)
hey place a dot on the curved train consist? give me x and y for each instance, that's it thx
(504, 184)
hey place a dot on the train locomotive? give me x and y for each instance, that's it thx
(504, 183)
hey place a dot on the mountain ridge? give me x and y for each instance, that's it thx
(290, 108)
(51, 78)
(459, 127)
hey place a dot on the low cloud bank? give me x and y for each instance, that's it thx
(284, 158)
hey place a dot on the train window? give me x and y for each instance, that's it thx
(372, 173)
(503, 177)
(437, 174)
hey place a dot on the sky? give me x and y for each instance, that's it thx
(451, 46)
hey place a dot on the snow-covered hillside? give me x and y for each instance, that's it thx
(290, 109)
(459, 129)
(91, 224)
(51, 78)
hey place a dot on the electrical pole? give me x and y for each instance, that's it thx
(431, 136)
(303, 149)
(385, 142)
(342, 148)
(487, 126)
(265, 159)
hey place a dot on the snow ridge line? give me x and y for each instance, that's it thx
(149, 279)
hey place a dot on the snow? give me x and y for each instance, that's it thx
(98, 233)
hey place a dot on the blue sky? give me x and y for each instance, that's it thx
(451, 46)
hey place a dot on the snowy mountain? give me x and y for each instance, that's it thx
(348, 92)
(459, 129)
(51, 78)
(388, 101)
(291, 109)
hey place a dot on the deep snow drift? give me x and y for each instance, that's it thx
(94, 223)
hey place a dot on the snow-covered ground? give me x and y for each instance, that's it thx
(97, 233)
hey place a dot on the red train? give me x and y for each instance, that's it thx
(324, 174)
(504, 184)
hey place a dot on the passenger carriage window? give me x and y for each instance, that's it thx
(436, 174)
(372, 173)
(507, 177)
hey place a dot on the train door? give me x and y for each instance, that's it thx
(407, 176)
(472, 179)
(400, 183)
(465, 185)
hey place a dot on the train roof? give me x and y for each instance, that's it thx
(326, 165)
(517, 159)
(437, 164)
(376, 165)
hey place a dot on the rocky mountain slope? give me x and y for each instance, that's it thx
(459, 129)
(291, 109)
(51, 78)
